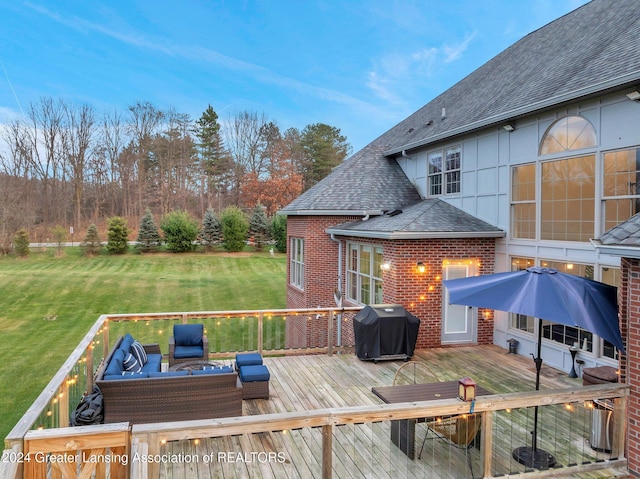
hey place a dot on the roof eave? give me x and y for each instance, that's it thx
(415, 235)
(616, 250)
(330, 212)
(527, 109)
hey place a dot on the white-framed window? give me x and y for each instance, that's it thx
(620, 186)
(296, 266)
(523, 201)
(443, 174)
(364, 275)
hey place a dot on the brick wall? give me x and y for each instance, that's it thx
(629, 307)
(420, 293)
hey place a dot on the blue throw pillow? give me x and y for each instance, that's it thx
(138, 351)
(131, 364)
(115, 366)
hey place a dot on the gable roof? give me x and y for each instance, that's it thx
(365, 184)
(621, 240)
(589, 51)
(430, 218)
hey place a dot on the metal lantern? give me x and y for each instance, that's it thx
(467, 389)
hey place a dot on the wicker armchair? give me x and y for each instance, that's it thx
(188, 343)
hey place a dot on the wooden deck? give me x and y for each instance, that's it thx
(301, 383)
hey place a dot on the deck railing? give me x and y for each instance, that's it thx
(273, 331)
(41, 434)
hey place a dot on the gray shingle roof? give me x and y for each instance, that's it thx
(365, 183)
(587, 51)
(430, 218)
(625, 234)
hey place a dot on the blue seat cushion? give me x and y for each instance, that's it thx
(220, 370)
(188, 334)
(250, 374)
(248, 359)
(125, 376)
(184, 352)
(168, 374)
(115, 366)
(154, 363)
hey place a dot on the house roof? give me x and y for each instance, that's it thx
(430, 218)
(621, 240)
(365, 184)
(590, 50)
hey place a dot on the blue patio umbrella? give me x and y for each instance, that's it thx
(544, 293)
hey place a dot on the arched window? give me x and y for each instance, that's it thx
(568, 133)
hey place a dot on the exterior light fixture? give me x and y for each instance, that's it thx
(385, 266)
(634, 95)
(509, 127)
(467, 389)
(420, 266)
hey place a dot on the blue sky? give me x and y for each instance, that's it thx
(358, 65)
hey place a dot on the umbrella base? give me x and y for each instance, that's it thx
(537, 459)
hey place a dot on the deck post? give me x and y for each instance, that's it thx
(619, 426)
(260, 331)
(63, 403)
(105, 338)
(89, 366)
(330, 333)
(486, 442)
(327, 451)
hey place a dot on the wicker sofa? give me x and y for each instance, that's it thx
(155, 396)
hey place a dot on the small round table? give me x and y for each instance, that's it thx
(194, 365)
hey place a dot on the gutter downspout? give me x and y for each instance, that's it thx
(339, 289)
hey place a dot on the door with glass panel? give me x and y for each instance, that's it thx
(458, 321)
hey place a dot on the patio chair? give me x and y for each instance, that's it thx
(188, 343)
(461, 431)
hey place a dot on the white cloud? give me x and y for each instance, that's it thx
(454, 52)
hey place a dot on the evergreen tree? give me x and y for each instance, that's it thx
(211, 233)
(279, 232)
(180, 231)
(234, 229)
(149, 240)
(91, 244)
(259, 226)
(21, 243)
(118, 235)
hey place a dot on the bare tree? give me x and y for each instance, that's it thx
(77, 141)
(243, 138)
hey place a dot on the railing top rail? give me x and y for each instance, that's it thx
(381, 412)
(215, 314)
(28, 419)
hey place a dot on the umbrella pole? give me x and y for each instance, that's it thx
(532, 456)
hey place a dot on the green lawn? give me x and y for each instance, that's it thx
(76, 290)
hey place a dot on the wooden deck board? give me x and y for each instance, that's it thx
(314, 382)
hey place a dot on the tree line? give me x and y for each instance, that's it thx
(64, 164)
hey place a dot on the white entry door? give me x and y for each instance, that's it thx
(458, 321)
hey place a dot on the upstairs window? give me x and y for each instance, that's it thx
(444, 171)
(568, 133)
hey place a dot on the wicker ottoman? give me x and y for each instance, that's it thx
(255, 382)
(248, 359)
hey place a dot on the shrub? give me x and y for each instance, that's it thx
(211, 233)
(21, 243)
(234, 229)
(279, 232)
(259, 226)
(180, 231)
(148, 236)
(59, 233)
(91, 245)
(118, 235)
